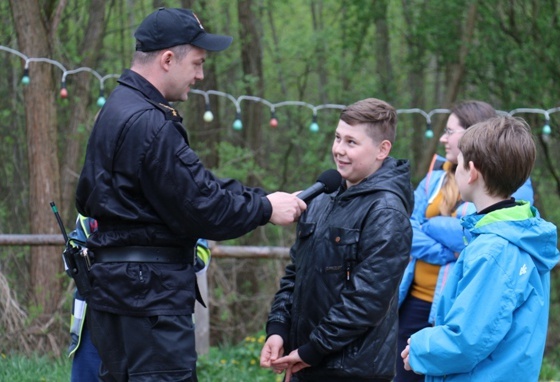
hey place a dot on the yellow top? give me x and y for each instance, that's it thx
(425, 274)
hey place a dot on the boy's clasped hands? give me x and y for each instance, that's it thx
(271, 356)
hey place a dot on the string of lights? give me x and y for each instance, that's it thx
(237, 124)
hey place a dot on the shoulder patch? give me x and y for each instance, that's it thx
(170, 113)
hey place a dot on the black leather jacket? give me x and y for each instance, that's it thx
(337, 303)
(146, 187)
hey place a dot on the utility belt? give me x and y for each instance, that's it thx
(79, 260)
(141, 254)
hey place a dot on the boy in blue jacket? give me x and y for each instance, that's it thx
(492, 320)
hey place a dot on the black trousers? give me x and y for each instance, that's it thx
(414, 315)
(142, 349)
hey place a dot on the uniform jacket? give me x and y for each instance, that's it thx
(492, 320)
(436, 240)
(145, 186)
(337, 302)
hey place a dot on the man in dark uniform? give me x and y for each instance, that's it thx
(152, 199)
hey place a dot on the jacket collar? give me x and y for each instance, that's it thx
(135, 81)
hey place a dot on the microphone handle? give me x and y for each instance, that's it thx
(311, 192)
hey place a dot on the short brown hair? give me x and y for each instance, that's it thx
(503, 151)
(379, 117)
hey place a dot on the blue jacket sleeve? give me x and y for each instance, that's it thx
(470, 331)
(428, 249)
(446, 230)
(424, 246)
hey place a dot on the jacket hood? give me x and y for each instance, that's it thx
(522, 226)
(393, 176)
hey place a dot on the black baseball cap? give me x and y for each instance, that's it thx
(168, 27)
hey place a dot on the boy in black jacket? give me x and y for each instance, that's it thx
(335, 314)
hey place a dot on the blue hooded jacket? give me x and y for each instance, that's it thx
(492, 320)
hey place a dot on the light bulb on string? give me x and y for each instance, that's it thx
(208, 116)
(101, 99)
(63, 90)
(429, 132)
(25, 79)
(237, 124)
(546, 130)
(314, 127)
(273, 120)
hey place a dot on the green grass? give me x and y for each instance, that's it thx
(238, 363)
(231, 364)
(34, 369)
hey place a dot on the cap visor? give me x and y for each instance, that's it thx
(212, 42)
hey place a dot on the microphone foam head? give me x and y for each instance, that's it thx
(331, 179)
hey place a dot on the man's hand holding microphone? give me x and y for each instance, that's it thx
(287, 208)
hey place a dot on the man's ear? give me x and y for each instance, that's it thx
(384, 150)
(473, 173)
(166, 58)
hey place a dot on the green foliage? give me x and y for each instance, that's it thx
(550, 369)
(237, 162)
(33, 369)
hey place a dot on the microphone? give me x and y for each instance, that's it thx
(327, 182)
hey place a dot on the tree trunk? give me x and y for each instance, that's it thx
(80, 94)
(250, 32)
(41, 120)
(320, 48)
(205, 137)
(383, 52)
(456, 72)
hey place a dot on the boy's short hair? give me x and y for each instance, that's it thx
(503, 151)
(379, 117)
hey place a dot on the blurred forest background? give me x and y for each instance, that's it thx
(415, 54)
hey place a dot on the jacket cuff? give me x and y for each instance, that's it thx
(309, 354)
(267, 207)
(279, 329)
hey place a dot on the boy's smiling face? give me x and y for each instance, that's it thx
(355, 153)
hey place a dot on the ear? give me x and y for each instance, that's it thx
(473, 173)
(384, 150)
(166, 58)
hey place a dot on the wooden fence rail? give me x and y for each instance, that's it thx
(225, 251)
(202, 317)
